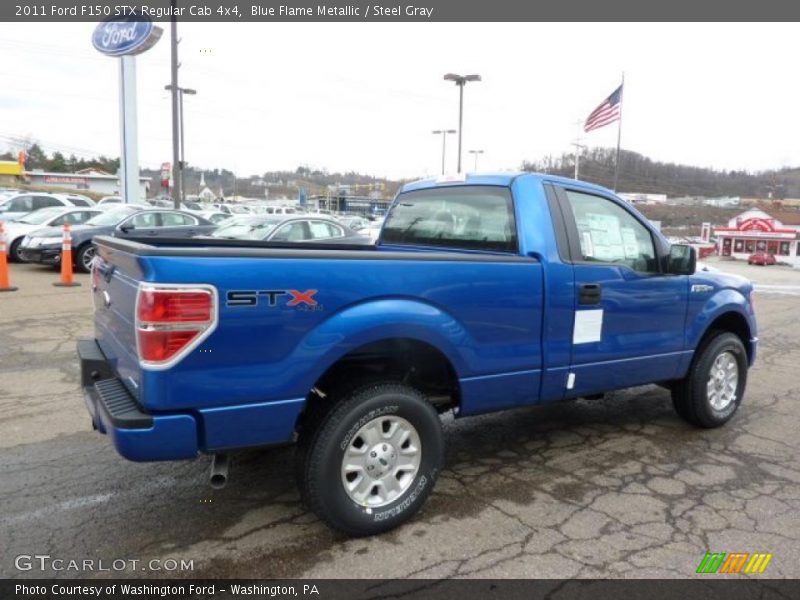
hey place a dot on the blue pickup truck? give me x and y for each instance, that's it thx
(483, 293)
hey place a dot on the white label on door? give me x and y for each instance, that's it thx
(588, 326)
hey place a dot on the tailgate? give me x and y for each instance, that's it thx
(115, 280)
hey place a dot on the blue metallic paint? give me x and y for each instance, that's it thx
(506, 328)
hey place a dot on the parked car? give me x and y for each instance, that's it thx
(214, 216)
(54, 216)
(44, 245)
(232, 209)
(354, 222)
(761, 258)
(283, 228)
(484, 294)
(109, 200)
(20, 204)
(282, 210)
(78, 199)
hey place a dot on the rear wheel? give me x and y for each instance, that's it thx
(711, 392)
(84, 258)
(372, 459)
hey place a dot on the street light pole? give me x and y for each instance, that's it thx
(460, 81)
(182, 156)
(444, 133)
(475, 153)
(176, 192)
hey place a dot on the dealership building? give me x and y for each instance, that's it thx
(775, 232)
(91, 180)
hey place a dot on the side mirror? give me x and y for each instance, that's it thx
(682, 260)
(126, 228)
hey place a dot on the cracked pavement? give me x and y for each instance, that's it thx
(618, 487)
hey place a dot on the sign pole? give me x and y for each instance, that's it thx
(129, 148)
(177, 167)
(124, 39)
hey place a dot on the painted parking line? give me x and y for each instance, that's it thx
(784, 290)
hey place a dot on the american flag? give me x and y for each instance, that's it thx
(606, 113)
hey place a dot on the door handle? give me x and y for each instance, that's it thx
(589, 293)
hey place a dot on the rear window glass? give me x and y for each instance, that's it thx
(468, 217)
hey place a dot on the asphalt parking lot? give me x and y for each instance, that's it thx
(618, 487)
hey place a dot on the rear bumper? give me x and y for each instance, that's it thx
(136, 434)
(142, 436)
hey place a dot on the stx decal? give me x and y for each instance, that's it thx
(272, 298)
(734, 562)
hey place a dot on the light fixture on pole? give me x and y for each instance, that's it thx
(182, 159)
(460, 81)
(475, 153)
(443, 133)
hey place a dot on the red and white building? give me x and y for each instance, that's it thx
(776, 232)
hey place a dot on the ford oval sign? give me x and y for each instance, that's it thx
(126, 36)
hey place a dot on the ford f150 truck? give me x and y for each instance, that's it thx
(483, 293)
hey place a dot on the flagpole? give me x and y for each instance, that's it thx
(619, 130)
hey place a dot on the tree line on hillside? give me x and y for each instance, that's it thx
(37, 158)
(280, 182)
(637, 173)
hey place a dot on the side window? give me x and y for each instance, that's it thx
(322, 230)
(292, 232)
(610, 234)
(79, 202)
(77, 217)
(176, 220)
(44, 202)
(470, 217)
(143, 221)
(21, 204)
(61, 220)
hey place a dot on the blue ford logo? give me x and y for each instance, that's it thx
(128, 35)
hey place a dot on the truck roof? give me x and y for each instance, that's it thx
(500, 178)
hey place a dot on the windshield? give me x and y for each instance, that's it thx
(112, 217)
(40, 216)
(254, 228)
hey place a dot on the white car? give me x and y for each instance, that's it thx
(78, 199)
(53, 216)
(108, 201)
(214, 216)
(20, 204)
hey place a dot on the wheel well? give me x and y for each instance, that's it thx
(409, 361)
(734, 323)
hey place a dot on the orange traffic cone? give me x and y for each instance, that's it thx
(66, 259)
(4, 284)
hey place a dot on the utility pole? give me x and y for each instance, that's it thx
(176, 170)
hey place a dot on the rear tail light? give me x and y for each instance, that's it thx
(171, 320)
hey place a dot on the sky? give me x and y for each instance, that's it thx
(365, 96)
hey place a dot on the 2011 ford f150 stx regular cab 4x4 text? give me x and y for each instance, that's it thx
(484, 292)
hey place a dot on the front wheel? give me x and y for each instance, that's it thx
(711, 392)
(373, 459)
(14, 251)
(84, 258)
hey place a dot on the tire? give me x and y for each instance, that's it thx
(85, 254)
(712, 390)
(13, 251)
(396, 427)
